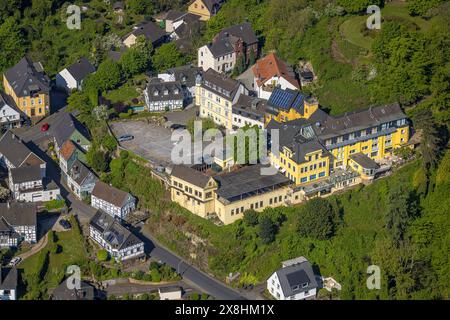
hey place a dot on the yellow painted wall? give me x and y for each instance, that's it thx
(198, 8)
(220, 112)
(25, 103)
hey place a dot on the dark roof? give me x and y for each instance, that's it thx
(243, 31)
(25, 174)
(186, 75)
(110, 194)
(170, 289)
(15, 150)
(358, 120)
(172, 88)
(190, 175)
(246, 182)
(80, 173)
(250, 107)
(151, 31)
(188, 28)
(8, 278)
(116, 55)
(19, 213)
(63, 125)
(293, 277)
(364, 161)
(113, 232)
(27, 76)
(62, 292)
(220, 84)
(80, 69)
(173, 15)
(286, 99)
(222, 46)
(118, 5)
(212, 5)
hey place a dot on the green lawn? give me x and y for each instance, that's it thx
(124, 94)
(351, 28)
(47, 268)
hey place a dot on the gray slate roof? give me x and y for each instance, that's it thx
(250, 107)
(246, 182)
(19, 213)
(113, 232)
(80, 173)
(243, 31)
(26, 174)
(293, 277)
(152, 32)
(15, 150)
(110, 194)
(8, 278)
(81, 69)
(220, 84)
(186, 75)
(27, 76)
(190, 175)
(172, 88)
(63, 125)
(86, 292)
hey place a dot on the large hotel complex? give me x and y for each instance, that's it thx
(318, 153)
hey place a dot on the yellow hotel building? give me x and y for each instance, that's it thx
(312, 148)
(215, 95)
(29, 87)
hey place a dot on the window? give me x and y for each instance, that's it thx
(303, 180)
(322, 174)
(312, 177)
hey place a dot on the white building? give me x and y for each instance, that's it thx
(115, 238)
(113, 201)
(18, 223)
(269, 73)
(27, 184)
(10, 116)
(170, 293)
(81, 180)
(71, 78)
(186, 76)
(219, 58)
(162, 96)
(8, 283)
(294, 281)
(248, 111)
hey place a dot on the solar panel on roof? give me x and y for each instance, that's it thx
(298, 101)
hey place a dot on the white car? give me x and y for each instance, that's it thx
(15, 261)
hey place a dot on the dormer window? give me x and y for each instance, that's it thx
(166, 92)
(155, 93)
(175, 91)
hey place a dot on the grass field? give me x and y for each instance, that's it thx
(124, 94)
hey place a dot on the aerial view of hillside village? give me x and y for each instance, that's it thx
(209, 150)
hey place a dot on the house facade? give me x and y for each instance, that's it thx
(205, 9)
(71, 78)
(18, 223)
(227, 46)
(29, 87)
(162, 96)
(215, 95)
(121, 244)
(269, 73)
(186, 76)
(294, 281)
(249, 111)
(10, 116)
(113, 201)
(80, 180)
(8, 283)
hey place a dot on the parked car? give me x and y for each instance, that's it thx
(125, 137)
(65, 224)
(45, 127)
(15, 261)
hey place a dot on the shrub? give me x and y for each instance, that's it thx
(102, 255)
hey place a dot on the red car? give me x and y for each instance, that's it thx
(44, 127)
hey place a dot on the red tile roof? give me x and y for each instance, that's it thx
(67, 149)
(271, 66)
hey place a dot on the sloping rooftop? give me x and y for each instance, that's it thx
(27, 76)
(62, 292)
(15, 150)
(110, 194)
(243, 31)
(250, 107)
(186, 75)
(67, 149)
(286, 99)
(271, 66)
(26, 174)
(8, 278)
(113, 232)
(190, 175)
(248, 181)
(161, 91)
(63, 125)
(220, 84)
(151, 31)
(80, 69)
(296, 278)
(19, 213)
(80, 173)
